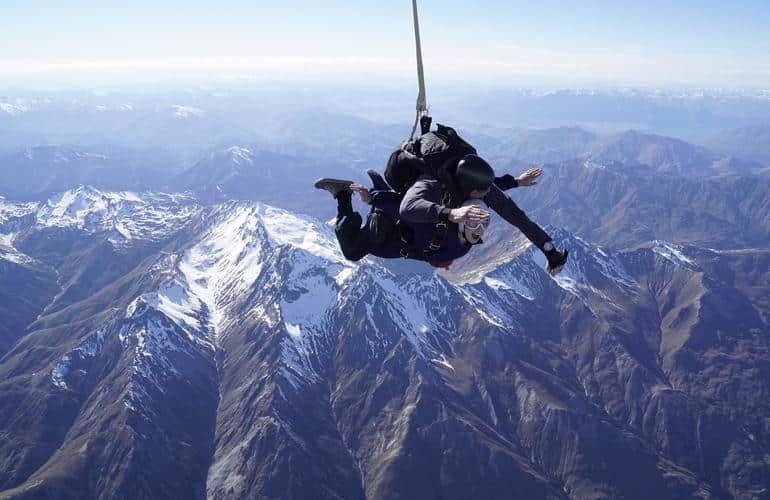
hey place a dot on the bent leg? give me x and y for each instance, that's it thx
(354, 240)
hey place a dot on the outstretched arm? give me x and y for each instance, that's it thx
(527, 178)
(506, 182)
(508, 210)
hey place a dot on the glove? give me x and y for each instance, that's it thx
(556, 260)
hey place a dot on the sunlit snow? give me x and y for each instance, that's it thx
(672, 253)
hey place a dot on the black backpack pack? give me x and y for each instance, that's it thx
(430, 153)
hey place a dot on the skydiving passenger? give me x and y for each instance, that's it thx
(438, 219)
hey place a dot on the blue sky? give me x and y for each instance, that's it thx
(705, 43)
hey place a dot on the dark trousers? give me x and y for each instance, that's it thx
(357, 240)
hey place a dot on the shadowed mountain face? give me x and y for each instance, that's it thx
(175, 350)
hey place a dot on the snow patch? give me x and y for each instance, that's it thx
(672, 253)
(10, 253)
(14, 109)
(155, 340)
(186, 111)
(593, 165)
(10, 210)
(240, 155)
(486, 307)
(442, 361)
(417, 305)
(294, 330)
(88, 349)
(344, 276)
(60, 371)
(286, 228)
(515, 284)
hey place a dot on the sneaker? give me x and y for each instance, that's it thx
(378, 182)
(334, 186)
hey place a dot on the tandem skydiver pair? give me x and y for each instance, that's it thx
(430, 207)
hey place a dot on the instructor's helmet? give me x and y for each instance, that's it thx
(474, 174)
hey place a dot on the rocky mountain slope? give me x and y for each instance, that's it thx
(165, 349)
(613, 206)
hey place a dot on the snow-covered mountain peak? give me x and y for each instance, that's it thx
(304, 233)
(86, 207)
(228, 258)
(149, 216)
(282, 269)
(74, 207)
(240, 155)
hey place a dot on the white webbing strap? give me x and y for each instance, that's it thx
(421, 102)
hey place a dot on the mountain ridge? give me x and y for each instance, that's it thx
(240, 347)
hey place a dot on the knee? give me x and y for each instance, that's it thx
(381, 227)
(348, 223)
(352, 257)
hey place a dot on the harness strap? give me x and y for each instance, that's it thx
(408, 250)
(440, 231)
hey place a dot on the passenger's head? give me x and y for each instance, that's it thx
(474, 176)
(472, 233)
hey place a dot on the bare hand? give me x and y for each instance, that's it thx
(364, 193)
(471, 214)
(529, 178)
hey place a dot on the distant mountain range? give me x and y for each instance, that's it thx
(158, 347)
(282, 175)
(35, 173)
(198, 119)
(247, 173)
(752, 143)
(645, 153)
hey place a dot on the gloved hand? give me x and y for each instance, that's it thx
(556, 260)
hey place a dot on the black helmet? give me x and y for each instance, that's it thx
(474, 174)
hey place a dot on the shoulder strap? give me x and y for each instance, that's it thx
(440, 231)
